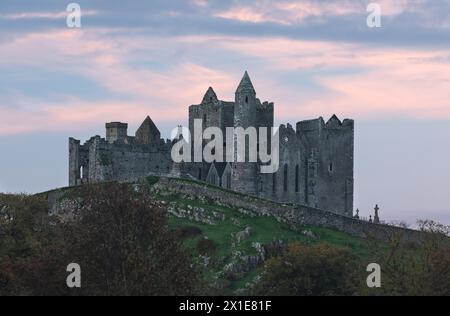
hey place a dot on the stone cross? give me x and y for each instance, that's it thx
(376, 218)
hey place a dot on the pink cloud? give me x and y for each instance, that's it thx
(391, 82)
(165, 95)
(394, 82)
(43, 15)
(77, 114)
(294, 12)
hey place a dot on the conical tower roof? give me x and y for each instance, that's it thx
(245, 85)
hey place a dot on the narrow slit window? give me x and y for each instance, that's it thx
(274, 183)
(285, 176)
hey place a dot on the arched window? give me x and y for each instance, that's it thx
(246, 99)
(297, 178)
(330, 167)
(285, 178)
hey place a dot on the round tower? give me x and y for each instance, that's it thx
(244, 174)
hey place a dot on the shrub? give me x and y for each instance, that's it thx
(189, 231)
(309, 271)
(119, 236)
(206, 247)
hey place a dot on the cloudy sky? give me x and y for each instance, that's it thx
(311, 57)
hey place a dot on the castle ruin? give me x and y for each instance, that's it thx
(315, 158)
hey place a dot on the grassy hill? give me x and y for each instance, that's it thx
(210, 230)
(235, 244)
(219, 225)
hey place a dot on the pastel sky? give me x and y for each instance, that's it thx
(311, 57)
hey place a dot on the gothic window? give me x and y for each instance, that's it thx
(285, 178)
(330, 167)
(200, 174)
(213, 179)
(246, 100)
(297, 176)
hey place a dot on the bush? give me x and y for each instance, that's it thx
(119, 236)
(206, 247)
(419, 269)
(31, 248)
(310, 271)
(189, 231)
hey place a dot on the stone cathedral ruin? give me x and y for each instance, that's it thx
(315, 158)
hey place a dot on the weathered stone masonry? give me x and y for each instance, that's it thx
(316, 158)
(119, 157)
(297, 216)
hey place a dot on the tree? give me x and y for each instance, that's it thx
(310, 271)
(421, 268)
(117, 233)
(124, 246)
(29, 240)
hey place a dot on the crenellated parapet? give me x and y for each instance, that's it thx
(315, 161)
(118, 156)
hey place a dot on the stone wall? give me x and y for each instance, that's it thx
(296, 216)
(100, 161)
(329, 160)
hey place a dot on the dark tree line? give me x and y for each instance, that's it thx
(407, 269)
(118, 235)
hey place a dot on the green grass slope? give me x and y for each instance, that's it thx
(229, 221)
(219, 224)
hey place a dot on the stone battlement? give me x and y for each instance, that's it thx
(315, 158)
